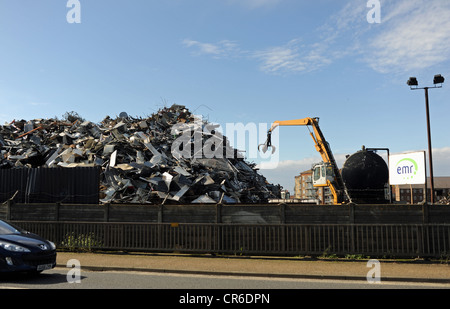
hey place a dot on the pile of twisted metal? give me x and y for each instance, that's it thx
(157, 159)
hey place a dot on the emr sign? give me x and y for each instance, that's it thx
(407, 168)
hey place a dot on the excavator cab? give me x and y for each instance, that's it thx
(322, 174)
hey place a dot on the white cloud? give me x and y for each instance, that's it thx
(295, 56)
(289, 58)
(221, 49)
(292, 57)
(441, 161)
(412, 36)
(285, 172)
(204, 48)
(281, 58)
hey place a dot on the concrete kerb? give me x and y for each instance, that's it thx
(259, 267)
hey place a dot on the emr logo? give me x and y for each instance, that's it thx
(407, 168)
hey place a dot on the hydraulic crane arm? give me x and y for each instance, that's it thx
(319, 141)
(321, 145)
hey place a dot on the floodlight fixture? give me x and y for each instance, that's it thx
(438, 79)
(412, 81)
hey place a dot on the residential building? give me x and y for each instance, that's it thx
(414, 194)
(305, 191)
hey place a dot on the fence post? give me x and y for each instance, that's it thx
(425, 240)
(8, 210)
(217, 230)
(219, 213)
(351, 213)
(282, 213)
(425, 210)
(160, 213)
(57, 204)
(161, 237)
(106, 213)
(421, 238)
(283, 227)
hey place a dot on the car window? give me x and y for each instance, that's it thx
(6, 229)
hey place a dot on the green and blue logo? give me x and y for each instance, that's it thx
(407, 168)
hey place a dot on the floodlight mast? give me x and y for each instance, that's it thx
(414, 85)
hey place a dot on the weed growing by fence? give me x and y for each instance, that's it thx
(81, 242)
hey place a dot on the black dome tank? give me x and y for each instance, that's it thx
(366, 176)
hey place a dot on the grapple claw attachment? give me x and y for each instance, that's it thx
(268, 144)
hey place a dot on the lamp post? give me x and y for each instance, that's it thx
(413, 84)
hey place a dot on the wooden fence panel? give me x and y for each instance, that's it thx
(131, 213)
(401, 214)
(237, 214)
(317, 214)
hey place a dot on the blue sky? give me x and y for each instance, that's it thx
(247, 61)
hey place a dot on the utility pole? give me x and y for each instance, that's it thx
(430, 154)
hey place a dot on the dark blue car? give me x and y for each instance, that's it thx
(22, 251)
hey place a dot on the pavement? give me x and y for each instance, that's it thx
(256, 266)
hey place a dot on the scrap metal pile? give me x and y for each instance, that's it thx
(444, 200)
(141, 160)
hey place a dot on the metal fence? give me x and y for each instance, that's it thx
(78, 185)
(387, 240)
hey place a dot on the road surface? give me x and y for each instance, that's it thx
(58, 279)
